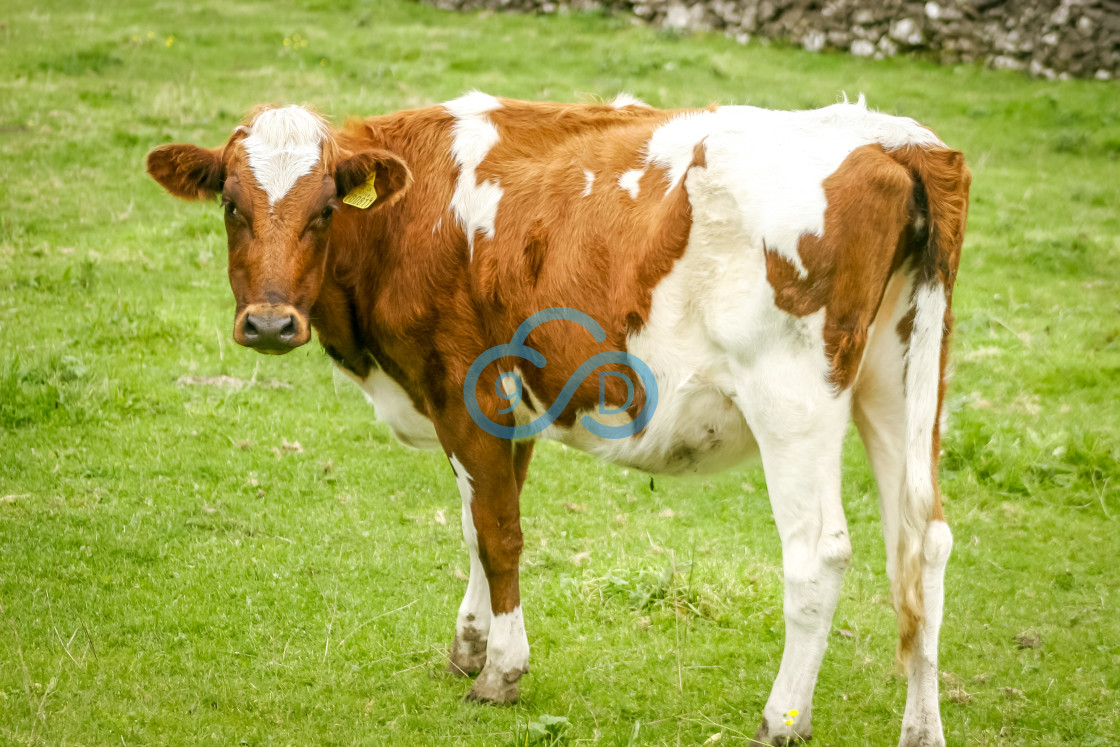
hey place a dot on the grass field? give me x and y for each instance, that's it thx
(183, 563)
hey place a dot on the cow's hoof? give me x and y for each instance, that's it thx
(500, 689)
(798, 736)
(468, 653)
(919, 737)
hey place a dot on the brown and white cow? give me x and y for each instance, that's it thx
(778, 273)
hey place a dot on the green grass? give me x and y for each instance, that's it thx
(172, 573)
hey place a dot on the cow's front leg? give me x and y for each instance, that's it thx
(472, 627)
(497, 523)
(490, 631)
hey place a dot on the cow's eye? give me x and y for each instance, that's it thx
(327, 214)
(231, 209)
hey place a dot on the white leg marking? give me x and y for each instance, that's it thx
(799, 424)
(508, 648)
(588, 181)
(629, 182)
(507, 658)
(473, 135)
(921, 722)
(283, 145)
(472, 626)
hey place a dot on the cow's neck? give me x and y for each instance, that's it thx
(371, 312)
(336, 319)
(385, 267)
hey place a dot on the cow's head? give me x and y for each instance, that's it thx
(281, 178)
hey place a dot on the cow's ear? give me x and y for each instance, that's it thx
(391, 178)
(187, 171)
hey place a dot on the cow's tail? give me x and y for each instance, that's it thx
(940, 209)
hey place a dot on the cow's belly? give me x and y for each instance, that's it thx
(696, 428)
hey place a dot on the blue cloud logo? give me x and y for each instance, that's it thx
(516, 348)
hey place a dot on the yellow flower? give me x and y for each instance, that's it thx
(794, 713)
(169, 42)
(136, 37)
(789, 722)
(287, 42)
(151, 35)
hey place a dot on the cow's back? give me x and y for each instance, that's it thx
(659, 225)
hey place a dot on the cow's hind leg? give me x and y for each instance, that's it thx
(879, 412)
(880, 427)
(799, 424)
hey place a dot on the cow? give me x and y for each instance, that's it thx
(767, 275)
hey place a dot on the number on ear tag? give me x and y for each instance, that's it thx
(364, 196)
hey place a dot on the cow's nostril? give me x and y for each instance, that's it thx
(251, 328)
(289, 330)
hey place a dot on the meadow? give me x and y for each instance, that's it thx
(191, 559)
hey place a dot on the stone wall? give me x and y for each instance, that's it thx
(1047, 38)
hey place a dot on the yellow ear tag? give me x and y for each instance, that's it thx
(364, 196)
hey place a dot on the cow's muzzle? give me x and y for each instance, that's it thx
(269, 328)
